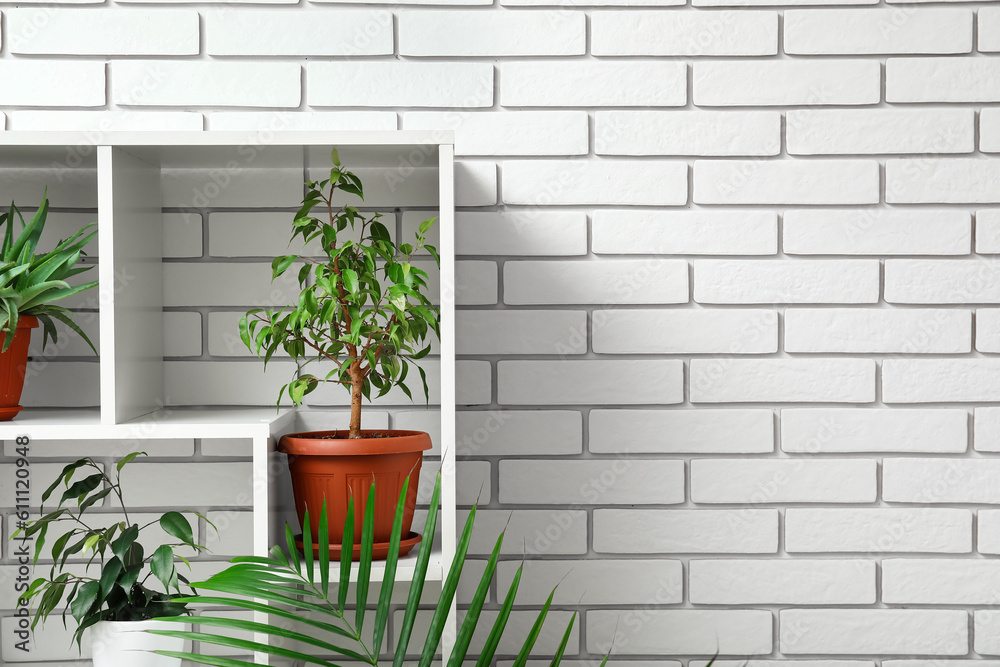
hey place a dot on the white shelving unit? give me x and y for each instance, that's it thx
(133, 404)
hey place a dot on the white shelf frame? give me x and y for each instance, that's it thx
(128, 166)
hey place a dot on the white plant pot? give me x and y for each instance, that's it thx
(127, 644)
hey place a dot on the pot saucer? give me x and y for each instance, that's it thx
(380, 550)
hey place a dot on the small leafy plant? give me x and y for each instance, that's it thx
(30, 283)
(362, 307)
(299, 590)
(120, 590)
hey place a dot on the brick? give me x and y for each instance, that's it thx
(778, 3)
(874, 631)
(518, 626)
(42, 474)
(472, 482)
(475, 183)
(639, 83)
(81, 32)
(790, 481)
(548, 182)
(986, 624)
(200, 188)
(986, 431)
(833, 430)
(590, 382)
(753, 581)
(606, 281)
(476, 33)
(941, 181)
(333, 394)
(878, 530)
(598, 581)
(787, 82)
(681, 431)
(686, 531)
(700, 232)
(154, 484)
(295, 33)
(521, 332)
(537, 532)
(805, 281)
(69, 343)
(181, 334)
(939, 581)
(114, 449)
(181, 235)
(592, 3)
(476, 283)
(988, 535)
(65, 384)
(942, 80)
(988, 232)
(941, 281)
(940, 380)
(988, 329)
(941, 480)
(397, 83)
(876, 231)
(204, 83)
(67, 84)
(302, 121)
(48, 642)
(519, 433)
(880, 131)
(258, 234)
(911, 331)
(988, 21)
(605, 482)
(685, 331)
(474, 382)
(682, 632)
(106, 121)
(500, 133)
(786, 182)
(201, 383)
(870, 31)
(654, 33)
(722, 133)
(212, 284)
(554, 233)
(232, 534)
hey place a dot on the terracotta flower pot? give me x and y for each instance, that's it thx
(13, 364)
(327, 464)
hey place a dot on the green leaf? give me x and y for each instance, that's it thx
(128, 459)
(82, 488)
(281, 264)
(176, 525)
(350, 278)
(86, 596)
(536, 629)
(124, 542)
(365, 566)
(389, 576)
(426, 225)
(496, 632)
(346, 556)
(557, 658)
(66, 474)
(162, 565)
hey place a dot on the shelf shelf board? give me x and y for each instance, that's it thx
(58, 424)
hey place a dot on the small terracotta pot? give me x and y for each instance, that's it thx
(327, 464)
(13, 365)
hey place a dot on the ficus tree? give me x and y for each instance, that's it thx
(362, 304)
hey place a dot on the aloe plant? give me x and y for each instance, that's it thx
(30, 283)
(298, 587)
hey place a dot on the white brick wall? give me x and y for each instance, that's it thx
(727, 279)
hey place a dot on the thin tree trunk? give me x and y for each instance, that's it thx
(356, 381)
